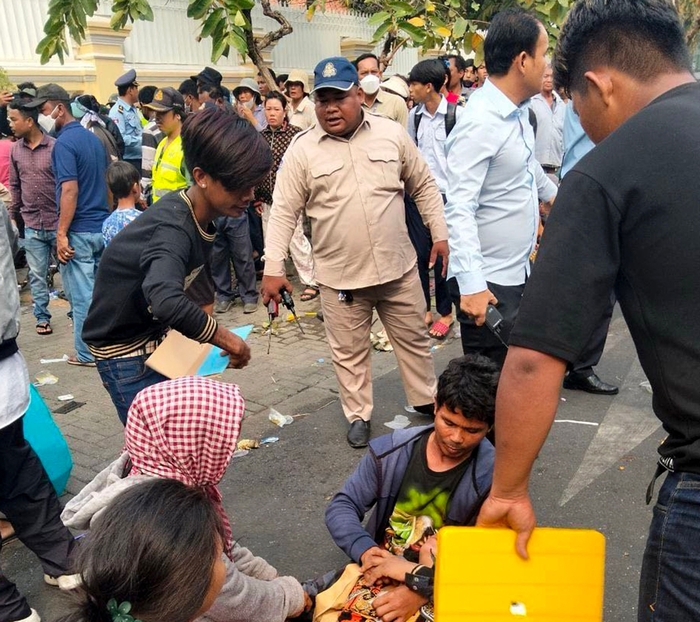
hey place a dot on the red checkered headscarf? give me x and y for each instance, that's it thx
(186, 429)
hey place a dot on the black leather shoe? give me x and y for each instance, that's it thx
(358, 434)
(589, 384)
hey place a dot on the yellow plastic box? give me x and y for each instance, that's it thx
(479, 576)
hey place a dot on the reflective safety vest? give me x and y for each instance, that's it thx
(168, 168)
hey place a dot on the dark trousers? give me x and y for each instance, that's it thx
(480, 339)
(232, 242)
(422, 242)
(29, 502)
(257, 238)
(590, 356)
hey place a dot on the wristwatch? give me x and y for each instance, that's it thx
(421, 580)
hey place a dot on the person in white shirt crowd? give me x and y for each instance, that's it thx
(429, 123)
(549, 141)
(494, 183)
(301, 108)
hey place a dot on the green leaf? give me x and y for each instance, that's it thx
(459, 28)
(215, 17)
(197, 9)
(118, 20)
(401, 9)
(436, 22)
(239, 20)
(378, 18)
(382, 30)
(416, 34)
(218, 45)
(238, 42)
(146, 11)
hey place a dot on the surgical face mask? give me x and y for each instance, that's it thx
(78, 110)
(370, 84)
(47, 123)
(250, 105)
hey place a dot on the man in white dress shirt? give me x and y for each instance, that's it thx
(495, 183)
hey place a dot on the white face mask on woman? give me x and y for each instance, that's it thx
(250, 104)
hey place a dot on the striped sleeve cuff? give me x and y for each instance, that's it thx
(207, 333)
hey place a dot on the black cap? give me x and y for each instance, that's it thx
(167, 99)
(48, 92)
(208, 75)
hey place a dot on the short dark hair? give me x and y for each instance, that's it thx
(215, 92)
(468, 63)
(510, 32)
(27, 113)
(188, 87)
(90, 102)
(226, 147)
(137, 553)
(641, 38)
(468, 386)
(282, 79)
(272, 73)
(121, 90)
(362, 57)
(278, 96)
(429, 71)
(205, 87)
(460, 62)
(121, 177)
(146, 94)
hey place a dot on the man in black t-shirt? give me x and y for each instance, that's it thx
(420, 479)
(627, 219)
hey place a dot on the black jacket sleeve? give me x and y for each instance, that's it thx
(165, 264)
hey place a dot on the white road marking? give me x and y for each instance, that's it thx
(625, 426)
(578, 422)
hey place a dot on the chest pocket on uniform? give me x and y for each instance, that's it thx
(386, 168)
(327, 176)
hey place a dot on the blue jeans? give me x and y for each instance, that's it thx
(668, 589)
(79, 277)
(38, 244)
(124, 378)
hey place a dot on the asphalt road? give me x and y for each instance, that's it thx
(592, 476)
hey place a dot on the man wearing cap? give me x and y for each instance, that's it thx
(302, 110)
(168, 172)
(375, 99)
(79, 162)
(349, 172)
(208, 75)
(126, 116)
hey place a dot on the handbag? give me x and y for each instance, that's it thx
(345, 594)
(45, 438)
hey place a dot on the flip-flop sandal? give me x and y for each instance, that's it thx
(44, 328)
(439, 330)
(306, 296)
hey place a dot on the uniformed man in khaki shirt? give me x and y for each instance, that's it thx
(349, 173)
(375, 99)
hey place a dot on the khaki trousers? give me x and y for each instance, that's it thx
(401, 308)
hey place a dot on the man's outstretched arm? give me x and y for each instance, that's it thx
(527, 401)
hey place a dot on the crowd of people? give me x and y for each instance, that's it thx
(523, 187)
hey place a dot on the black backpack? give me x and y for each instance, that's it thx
(450, 119)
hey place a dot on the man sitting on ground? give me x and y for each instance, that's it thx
(420, 479)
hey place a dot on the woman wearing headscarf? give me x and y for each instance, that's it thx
(186, 429)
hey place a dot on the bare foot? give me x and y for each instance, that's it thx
(428, 318)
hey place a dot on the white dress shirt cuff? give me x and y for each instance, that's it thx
(471, 283)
